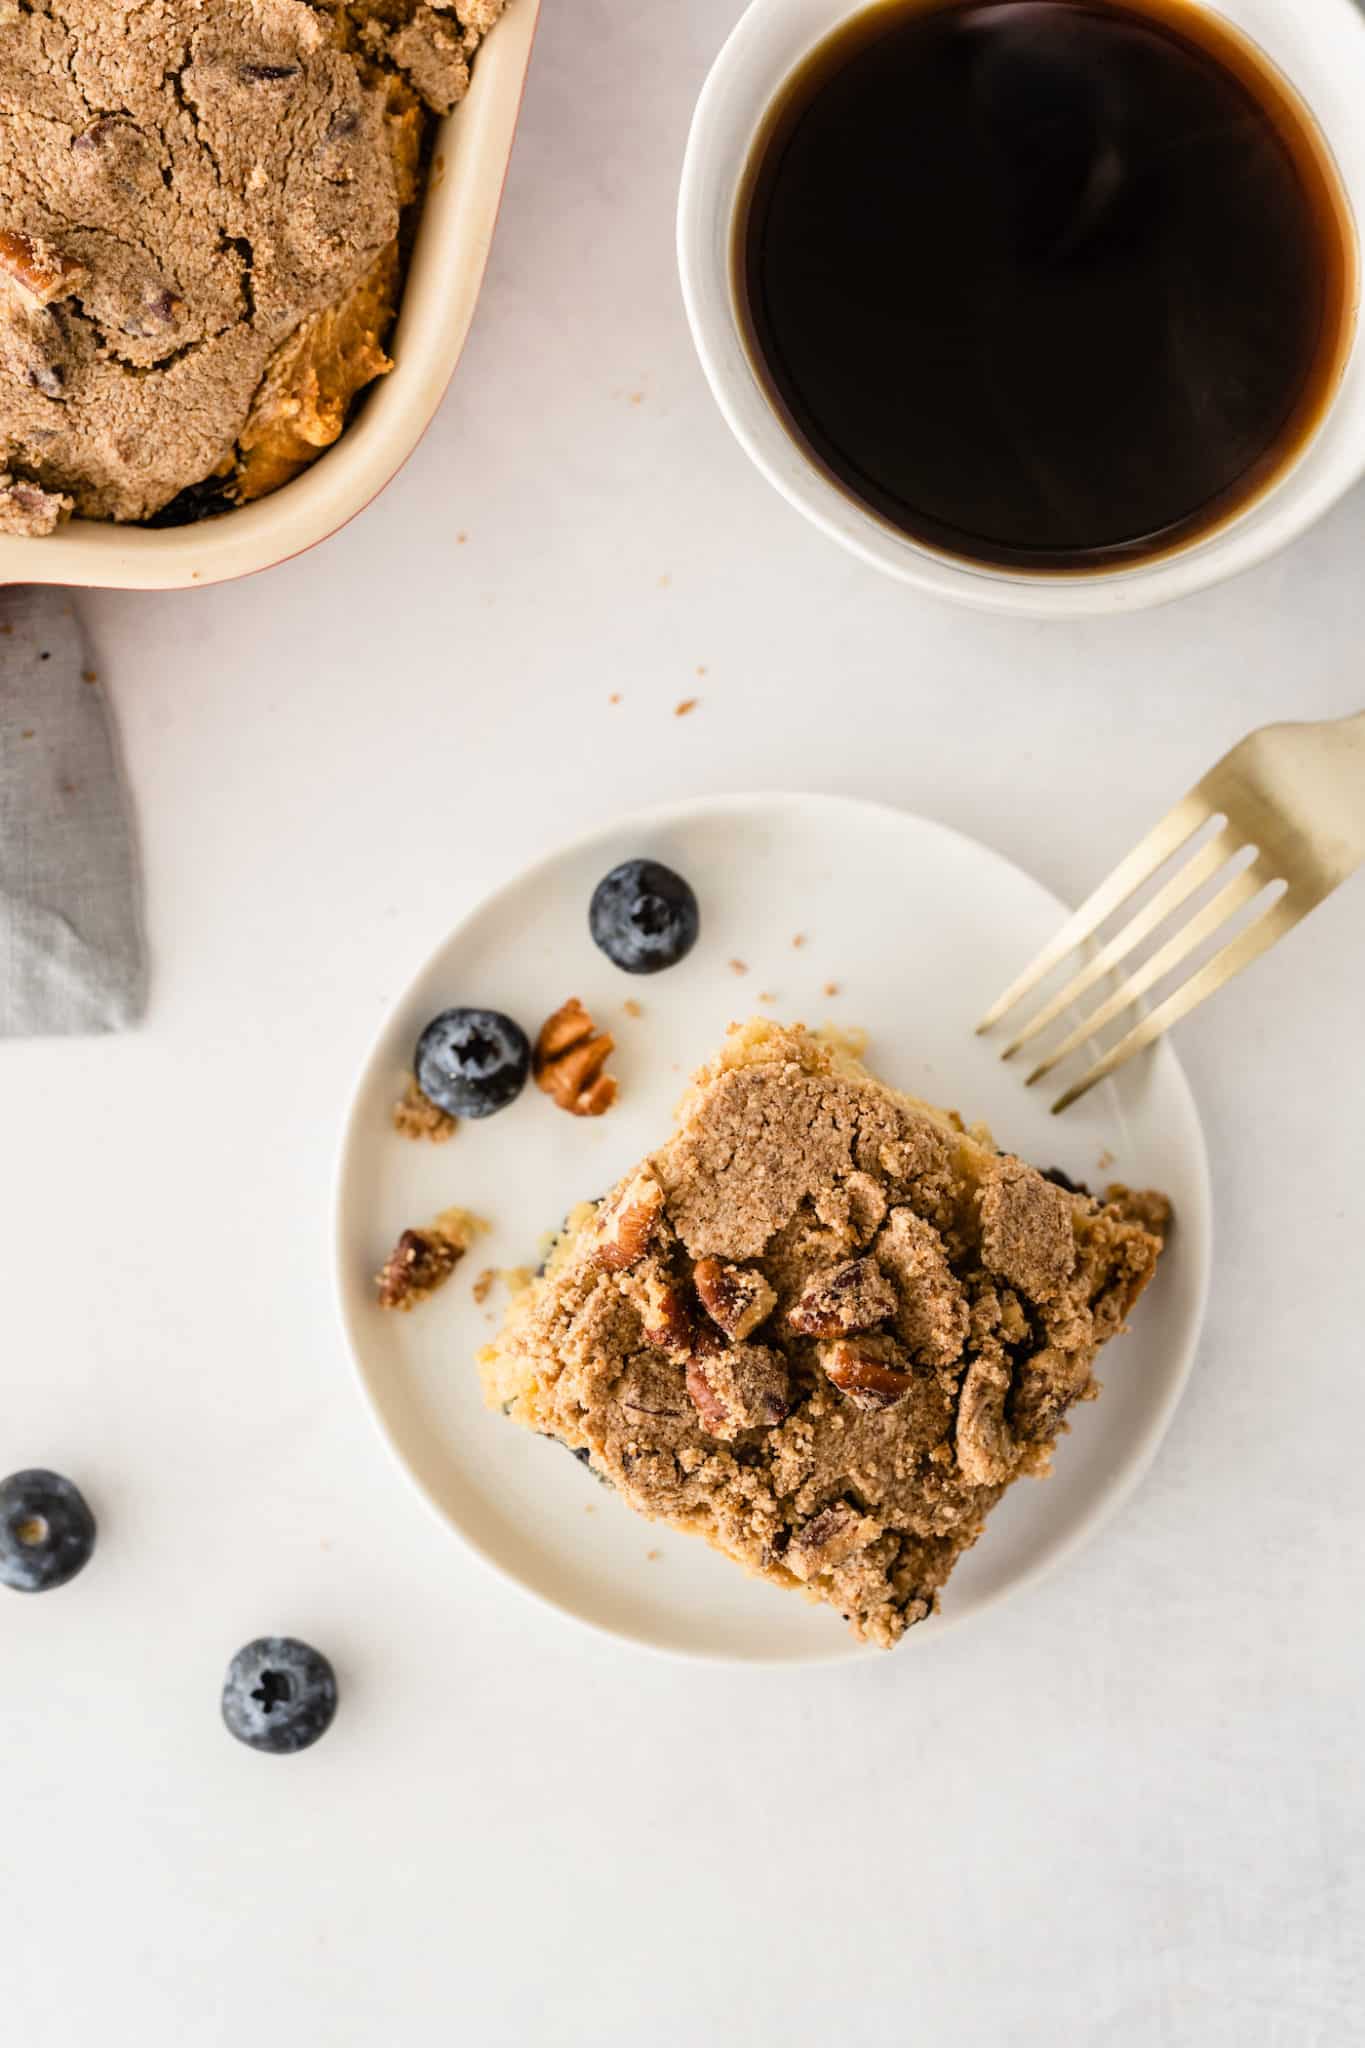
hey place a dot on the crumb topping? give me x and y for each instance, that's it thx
(822, 1326)
(200, 236)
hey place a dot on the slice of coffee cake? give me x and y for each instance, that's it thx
(824, 1326)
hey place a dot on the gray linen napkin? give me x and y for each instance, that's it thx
(71, 950)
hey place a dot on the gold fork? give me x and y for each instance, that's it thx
(1291, 795)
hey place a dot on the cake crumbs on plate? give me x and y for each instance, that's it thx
(415, 1116)
(423, 1260)
(461, 1226)
(739, 967)
(485, 1283)
(850, 1039)
(831, 988)
(687, 705)
(632, 1008)
(615, 697)
(798, 939)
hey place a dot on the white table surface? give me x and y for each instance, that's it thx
(1128, 1806)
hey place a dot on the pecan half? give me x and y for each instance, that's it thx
(735, 1297)
(854, 1296)
(569, 1057)
(41, 272)
(628, 1222)
(872, 1371)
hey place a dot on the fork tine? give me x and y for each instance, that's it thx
(1165, 838)
(1242, 889)
(1182, 885)
(1275, 920)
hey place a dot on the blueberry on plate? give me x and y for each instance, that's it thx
(644, 917)
(279, 1695)
(47, 1533)
(472, 1062)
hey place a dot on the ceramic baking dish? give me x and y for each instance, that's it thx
(469, 164)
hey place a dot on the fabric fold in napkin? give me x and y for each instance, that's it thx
(71, 950)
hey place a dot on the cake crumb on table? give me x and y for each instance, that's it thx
(739, 967)
(688, 704)
(632, 1008)
(831, 988)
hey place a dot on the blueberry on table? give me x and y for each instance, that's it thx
(644, 917)
(279, 1695)
(472, 1062)
(47, 1533)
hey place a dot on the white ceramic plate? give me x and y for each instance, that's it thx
(919, 928)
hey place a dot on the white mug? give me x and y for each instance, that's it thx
(1318, 47)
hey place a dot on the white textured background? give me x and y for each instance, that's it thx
(1127, 1808)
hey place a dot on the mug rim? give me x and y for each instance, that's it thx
(768, 44)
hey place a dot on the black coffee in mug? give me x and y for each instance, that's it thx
(1046, 284)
